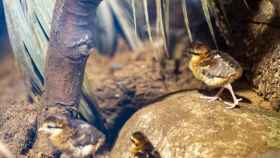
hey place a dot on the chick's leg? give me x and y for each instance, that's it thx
(213, 98)
(235, 100)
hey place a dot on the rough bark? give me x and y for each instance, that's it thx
(72, 37)
(256, 30)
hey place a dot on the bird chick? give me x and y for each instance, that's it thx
(141, 147)
(74, 138)
(215, 69)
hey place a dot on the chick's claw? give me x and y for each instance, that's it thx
(234, 104)
(210, 99)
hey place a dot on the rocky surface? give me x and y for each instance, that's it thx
(183, 125)
(122, 85)
(259, 49)
(265, 55)
(132, 80)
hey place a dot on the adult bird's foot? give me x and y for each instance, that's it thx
(232, 105)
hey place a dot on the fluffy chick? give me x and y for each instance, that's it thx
(74, 138)
(215, 69)
(141, 147)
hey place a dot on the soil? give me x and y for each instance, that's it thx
(17, 115)
(121, 85)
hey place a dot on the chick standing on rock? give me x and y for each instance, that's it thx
(215, 69)
(73, 138)
(142, 147)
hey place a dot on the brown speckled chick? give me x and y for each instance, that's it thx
(215, 69)
(141, 147)
(74, 138)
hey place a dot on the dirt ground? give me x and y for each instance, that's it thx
(15, 112)
(121, 85)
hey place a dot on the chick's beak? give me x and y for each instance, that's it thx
(44, 130)
(41, 129)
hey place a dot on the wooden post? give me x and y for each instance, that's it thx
(72, 36)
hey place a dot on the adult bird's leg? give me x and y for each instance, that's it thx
(213, 98)
(71, 39)
(235, 100)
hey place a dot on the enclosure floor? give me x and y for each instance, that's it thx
(17, 115)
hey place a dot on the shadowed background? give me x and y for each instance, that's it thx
(4, 46)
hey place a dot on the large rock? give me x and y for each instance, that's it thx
(183, 125)
(256, 31)
(264, 50)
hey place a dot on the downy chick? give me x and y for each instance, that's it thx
(142, 147)
(74, 138)
(216, 69)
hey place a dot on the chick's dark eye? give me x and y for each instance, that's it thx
(133, 141)
(193, 52)
(50, 126)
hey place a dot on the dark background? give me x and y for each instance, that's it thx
(2, 20)
(4, 46)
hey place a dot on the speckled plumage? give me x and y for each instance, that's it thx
(216, 69)
(213, 67)
(141, 147)
(74, 138)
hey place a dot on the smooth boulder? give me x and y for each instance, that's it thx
(185, 126)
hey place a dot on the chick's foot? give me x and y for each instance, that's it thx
(213, 98)
(235, 99)
(234, 104)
